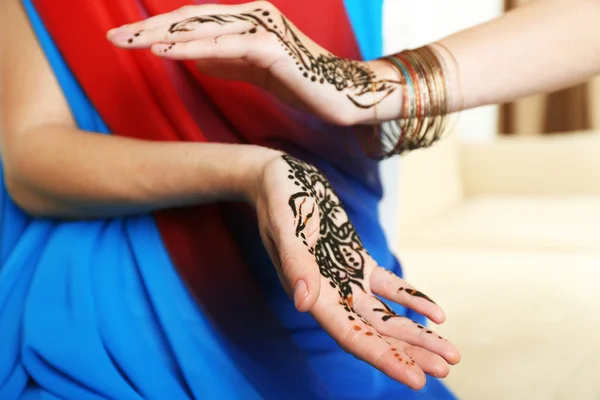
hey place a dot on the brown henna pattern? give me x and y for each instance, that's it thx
(387, 311)
(350, 77)
(339, 251)
(416, 293)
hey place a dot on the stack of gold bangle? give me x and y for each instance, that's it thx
(424, 80)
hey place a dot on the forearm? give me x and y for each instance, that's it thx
(63, 172)
(544, 46)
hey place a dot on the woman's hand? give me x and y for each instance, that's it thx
(322, 264)
(254, 42)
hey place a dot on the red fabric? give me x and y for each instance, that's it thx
(139, 95)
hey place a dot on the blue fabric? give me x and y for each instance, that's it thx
(366, 17)
(95, 309)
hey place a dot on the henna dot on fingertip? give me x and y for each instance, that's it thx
(357, 328)
(129, 40)
(253, 30)
(266, 14)
(369, 333)
(429, 332)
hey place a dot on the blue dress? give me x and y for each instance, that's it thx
(96, 309)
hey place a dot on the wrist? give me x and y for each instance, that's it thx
(251, 167)
(386, 106)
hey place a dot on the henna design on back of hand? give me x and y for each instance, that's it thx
(348, 76)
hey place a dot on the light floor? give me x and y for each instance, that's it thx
(527, 324)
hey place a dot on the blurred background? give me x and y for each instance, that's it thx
(500, 224)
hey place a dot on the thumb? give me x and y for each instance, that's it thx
(299, 271)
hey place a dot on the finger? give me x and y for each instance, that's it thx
(295, 237)
(361, 340)
(388, 323)
(255, 49)
(430, 363)
(391, 287)
(193, 28)
(188, 22)
(175, 16)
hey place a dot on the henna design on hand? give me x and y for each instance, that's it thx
(345, 75)
(416, 293)
(338, 250)
(387, 311)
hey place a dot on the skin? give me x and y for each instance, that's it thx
(542, 47)
(494, 62)
(53, 169)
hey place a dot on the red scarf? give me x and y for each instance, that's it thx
(139, 95)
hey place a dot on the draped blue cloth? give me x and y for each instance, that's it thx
(96, 310)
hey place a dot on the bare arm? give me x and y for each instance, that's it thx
(541, 47)
(54, 169)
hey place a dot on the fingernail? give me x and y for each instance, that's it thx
(300, 292)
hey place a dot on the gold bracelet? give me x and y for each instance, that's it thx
(425, 82)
